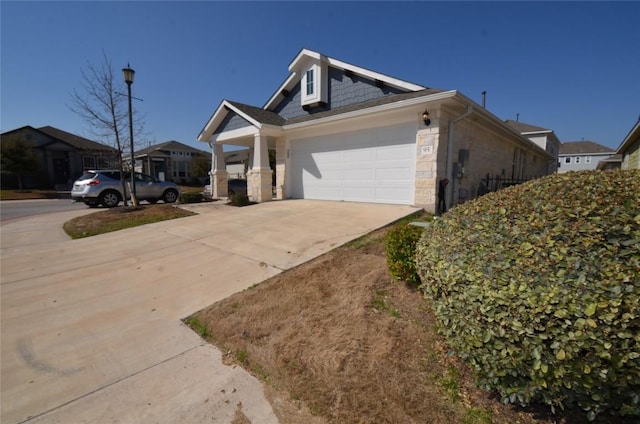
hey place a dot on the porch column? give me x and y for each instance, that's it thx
(218, 173)
(259, 178)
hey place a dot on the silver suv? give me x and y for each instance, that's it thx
(103, 187)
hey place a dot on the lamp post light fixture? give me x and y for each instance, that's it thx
(128, 74)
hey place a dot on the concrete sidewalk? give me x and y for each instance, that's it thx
(91, 328)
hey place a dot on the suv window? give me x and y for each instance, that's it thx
(144, 178)
(87, 176)
(114, 175)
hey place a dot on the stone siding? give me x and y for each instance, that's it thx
(281, 166)
(631, 159)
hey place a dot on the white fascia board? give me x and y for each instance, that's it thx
(211, 125)
(304, 53)
(250, 131)
(278, 94)
(394, 82)
(537, 132)
(630, 138)
(375, 109)
(243, 115)
(220, 138)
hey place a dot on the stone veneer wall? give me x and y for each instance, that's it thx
(281, 161)
(427, 167)
(491, 151)
(495, 153)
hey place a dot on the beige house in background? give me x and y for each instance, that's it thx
(345, 133)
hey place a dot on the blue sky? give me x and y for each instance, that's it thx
(573, 67)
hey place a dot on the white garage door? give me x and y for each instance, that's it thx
(375, 166)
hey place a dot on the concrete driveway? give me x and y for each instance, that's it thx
(91, 328)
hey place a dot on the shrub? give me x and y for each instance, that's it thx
(400, 244)
(191, 197)
(240, 199)
(537, 287)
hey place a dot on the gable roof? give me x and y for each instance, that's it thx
(74, 140)
(305, 54)
(524, 128)
(65, 137)
(583, 147)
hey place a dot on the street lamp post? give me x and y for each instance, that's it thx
(128, 74)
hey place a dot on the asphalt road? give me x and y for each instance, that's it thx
(12, 209)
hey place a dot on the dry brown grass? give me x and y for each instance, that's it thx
(337, 340)
(121, 217)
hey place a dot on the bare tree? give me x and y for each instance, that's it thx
(102, 104)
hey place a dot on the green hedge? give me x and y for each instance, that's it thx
(537, 287)
(400, 245)
(191, 197)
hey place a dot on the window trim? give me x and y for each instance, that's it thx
(315, 85)
(310, 82)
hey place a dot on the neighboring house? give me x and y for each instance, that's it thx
(342, 132)
(630, 148)
(543, 137)
(169, 161)
(62, 156)
(237, 163)
(582, 155)
(612, 162)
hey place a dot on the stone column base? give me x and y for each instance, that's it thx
(259, 185)
(219, 186)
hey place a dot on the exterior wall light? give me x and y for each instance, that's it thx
(425, 118)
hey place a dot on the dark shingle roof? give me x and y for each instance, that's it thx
(169, 145)
(268, 117)
(581, 147)
(522, 127)
(74, 140)
(261, 115)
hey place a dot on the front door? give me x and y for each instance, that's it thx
(60, 171)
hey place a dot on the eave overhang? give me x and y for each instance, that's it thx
(633, 136)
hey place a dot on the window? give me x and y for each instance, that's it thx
(587, 159)
(310, 82)
(313, 87)
(88, 162)
(567, 160)
(577, 159)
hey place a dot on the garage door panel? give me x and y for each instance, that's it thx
(394, 152)
(372, 166)
(364, 174)
(390, 195)
(393, 174)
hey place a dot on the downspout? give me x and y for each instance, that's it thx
(449, 168)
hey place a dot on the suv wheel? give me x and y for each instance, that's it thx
(169, 196)
(110, 198)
